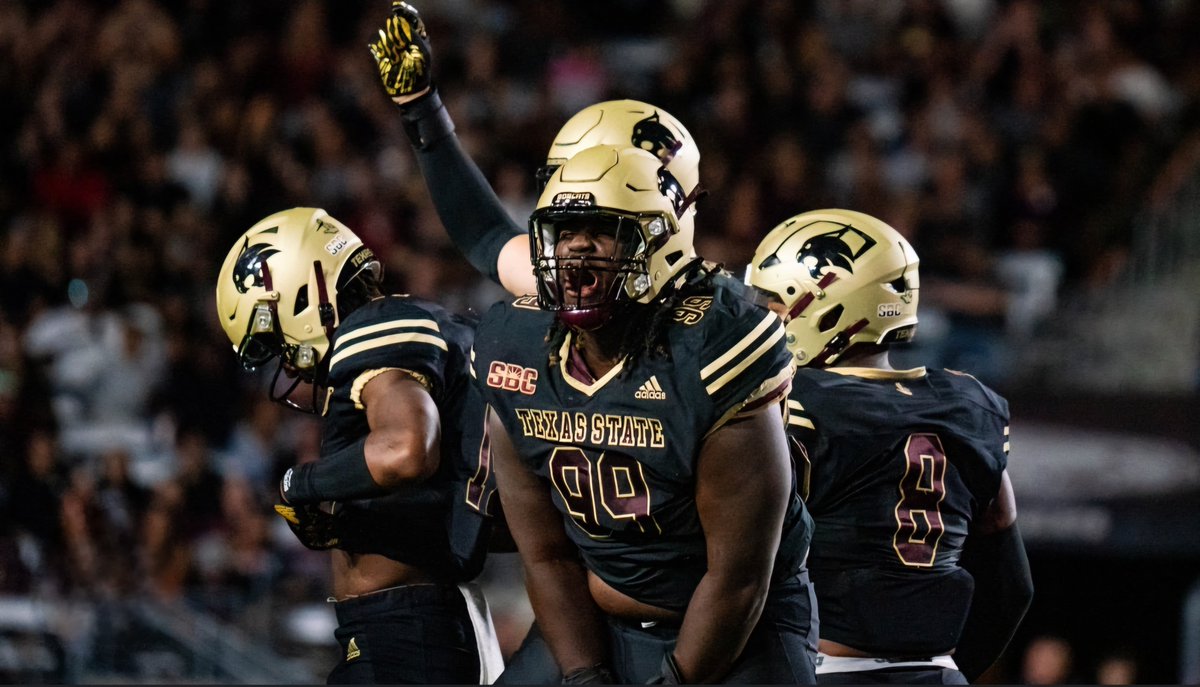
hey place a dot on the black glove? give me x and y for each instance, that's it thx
(316, 527)
(598, 674)
(402, 52)
(668, 674)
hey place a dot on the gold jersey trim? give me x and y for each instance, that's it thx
(712, 368)
(749, 360)
(878, 373)
(779, 379)
(410, 337)
(564, 354)
(360, 382)
(387, 326)
(795, 418)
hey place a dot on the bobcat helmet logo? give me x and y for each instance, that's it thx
(837, 248)
(652, 136)
(247, 272)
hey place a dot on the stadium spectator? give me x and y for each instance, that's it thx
(1048, 660)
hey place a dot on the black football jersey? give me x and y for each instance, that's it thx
(438, 523)
(619, 454)
(896, 465)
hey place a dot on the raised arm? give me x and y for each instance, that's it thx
(742, 490)
(474, 217)
(556, 580)
(995, 556)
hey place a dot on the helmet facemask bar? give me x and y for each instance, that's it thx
(301, 363)
(585, 289)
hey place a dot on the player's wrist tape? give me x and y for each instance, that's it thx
(425, 120)
(339, 476)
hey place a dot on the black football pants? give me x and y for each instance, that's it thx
(780, 650)
(414, 634)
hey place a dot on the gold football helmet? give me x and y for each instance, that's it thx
(842, 277)
(623, 194)
(624, 123)
(277, 294)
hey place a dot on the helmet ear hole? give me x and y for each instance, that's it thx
(301, 300)
(830, 319)
(899, 284)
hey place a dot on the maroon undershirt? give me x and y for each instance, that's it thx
(577, 367)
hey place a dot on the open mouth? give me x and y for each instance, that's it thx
(580, 284)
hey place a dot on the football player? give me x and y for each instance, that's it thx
(916, 551)
(480, 226)
(404, 479)
(493, 242)
(638, 448)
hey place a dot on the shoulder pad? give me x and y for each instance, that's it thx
(388, 332)
(742, 354)
(979, 392)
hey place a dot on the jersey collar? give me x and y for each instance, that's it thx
(585, 388)
(877, 373)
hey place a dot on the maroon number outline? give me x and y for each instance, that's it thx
(479, 494)
(922, 489)
(587, 478)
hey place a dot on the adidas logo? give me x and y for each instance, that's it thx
(352, 651)
(650, 390)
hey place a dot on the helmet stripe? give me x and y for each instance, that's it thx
(807, 299)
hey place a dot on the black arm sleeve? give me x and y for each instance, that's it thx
(476, 221)
(339, 476)
(1003, 591)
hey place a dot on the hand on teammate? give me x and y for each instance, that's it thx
(403, 55)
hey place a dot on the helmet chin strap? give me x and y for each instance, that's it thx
(837, 345)
(324, 307)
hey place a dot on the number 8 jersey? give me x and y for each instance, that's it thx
(896, 466)
(620, 452)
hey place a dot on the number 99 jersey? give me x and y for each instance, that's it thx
(619, 453)
(896, 465)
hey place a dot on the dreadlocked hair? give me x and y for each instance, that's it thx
(646, 332)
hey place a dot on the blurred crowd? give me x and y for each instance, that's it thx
(1051, 660)
(1013, 141)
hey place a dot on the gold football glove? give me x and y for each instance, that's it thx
(402, 53)
(316, 528)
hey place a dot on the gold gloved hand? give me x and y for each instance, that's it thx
(402, 54)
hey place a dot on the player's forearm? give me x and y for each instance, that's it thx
(473, 215)
(338, 476)
(723, 611)
(570, 621)
(1003, 592)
